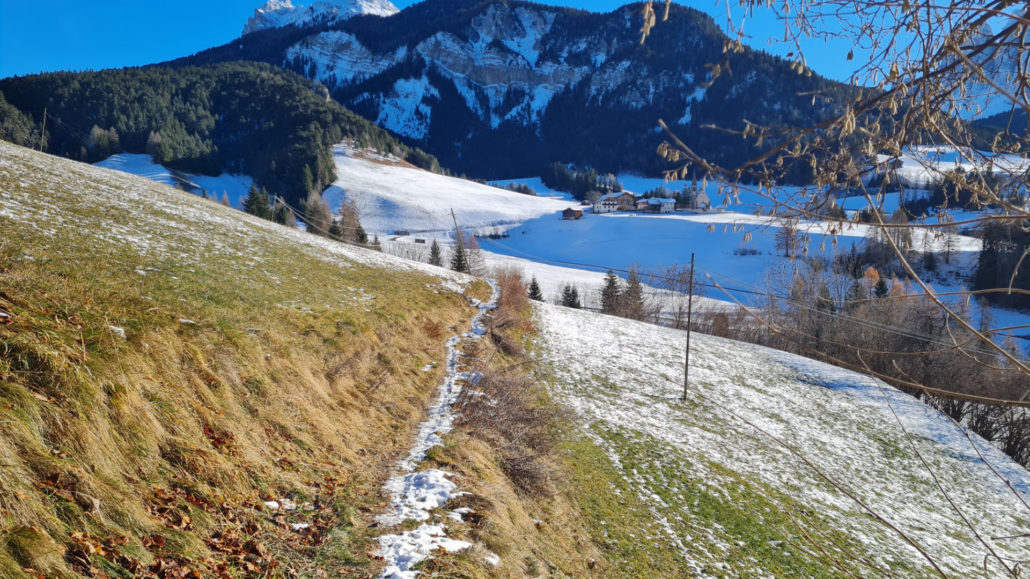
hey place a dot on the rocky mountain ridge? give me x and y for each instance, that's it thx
(497, 88)
(279, 13)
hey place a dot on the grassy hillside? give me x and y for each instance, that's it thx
(689, 489)
(167, 365)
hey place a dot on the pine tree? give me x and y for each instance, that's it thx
(610, 294)
(376, 245)
(280, 213)
(256, 203)
(930, 261)
(459, 261)
(308, 180)
(881, 290)
(335, 231)
(534, 291)
(856, 295)
(225, 199)
(570, 297)
(360, 236)
(632, 300)
(435, 256)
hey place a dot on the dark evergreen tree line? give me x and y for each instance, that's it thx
(17, 127)
(245, 118)
(561, 177)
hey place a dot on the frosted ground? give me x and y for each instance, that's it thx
(693, 464)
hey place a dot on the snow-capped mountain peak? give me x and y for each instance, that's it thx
(278, 13)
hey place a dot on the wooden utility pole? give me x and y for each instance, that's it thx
(42, 137)
(690, 320)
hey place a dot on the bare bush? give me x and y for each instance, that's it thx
(514, 297)
(500, 410)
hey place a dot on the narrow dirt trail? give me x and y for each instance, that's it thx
(413, 495)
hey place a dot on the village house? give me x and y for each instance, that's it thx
(613, 202)
(572, 214)
(662, 205)
(657, 205)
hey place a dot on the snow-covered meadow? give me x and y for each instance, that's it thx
(391, 197)
(694, 464)
(234, 186)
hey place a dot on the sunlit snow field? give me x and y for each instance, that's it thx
(394, 198)
(715, 485)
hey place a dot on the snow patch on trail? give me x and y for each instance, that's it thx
(415, 494)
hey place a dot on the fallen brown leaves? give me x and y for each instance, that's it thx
(221, 440)
(56, 485)
(90, 555)
(240, 555)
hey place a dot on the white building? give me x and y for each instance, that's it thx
(613, 202)
(662, 205)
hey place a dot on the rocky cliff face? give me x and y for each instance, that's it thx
(499, 87)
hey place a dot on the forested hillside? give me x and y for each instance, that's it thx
(501, 88)
(239, 117)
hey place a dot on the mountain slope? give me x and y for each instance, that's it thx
(500, 88)
(392, 198)
(727, 500)
(243, 118)
(168, 365)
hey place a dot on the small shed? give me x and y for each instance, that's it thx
(572, 214)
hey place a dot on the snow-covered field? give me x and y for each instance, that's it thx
(924, 164)
(391, 198)
(235, 186)
(692, 464)
(658, 241)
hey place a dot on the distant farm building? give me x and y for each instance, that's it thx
(613, 202)
(571, 214)
(660, 205)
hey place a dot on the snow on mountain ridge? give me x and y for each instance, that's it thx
(508, 64)
(502, 55)
(279, 13)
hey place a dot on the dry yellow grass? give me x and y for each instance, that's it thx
(163, 372)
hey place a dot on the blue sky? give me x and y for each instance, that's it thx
(48, 35)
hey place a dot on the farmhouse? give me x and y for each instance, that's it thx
(661, 205)
(613, 202)
(571, 214)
